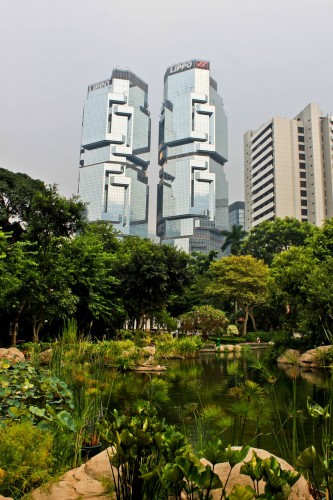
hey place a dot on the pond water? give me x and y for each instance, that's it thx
(246, 413)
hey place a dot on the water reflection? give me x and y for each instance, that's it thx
(202, 399)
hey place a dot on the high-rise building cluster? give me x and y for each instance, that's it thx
(192, 199)
(288, 163)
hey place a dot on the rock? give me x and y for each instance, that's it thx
(300, 490)
(45, 357)
(314, 357)
(13, 355)
(87, 481)
(290, 357)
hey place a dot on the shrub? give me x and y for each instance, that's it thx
(25, 458)
(232, 330)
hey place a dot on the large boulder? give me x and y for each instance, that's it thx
(45, 357)
(315, 357)
(13, 355)
(88, 481)
(289, 357)
(299, 491)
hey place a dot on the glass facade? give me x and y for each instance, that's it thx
(192, 196)
(236, 214)
(115, 147)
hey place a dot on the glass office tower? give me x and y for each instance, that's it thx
(192, 197)
(115, 148)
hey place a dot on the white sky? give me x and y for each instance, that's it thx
(269, 58)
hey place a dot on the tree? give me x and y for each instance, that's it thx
(94, 277)
(16, 194)
(321, 241)
(233, 239)
(290, 271)
(242, 279)
(52, 215)
(149, 274)
(205, 318)
(272, 237)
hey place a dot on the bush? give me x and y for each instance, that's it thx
(232, 330)
(25, 458)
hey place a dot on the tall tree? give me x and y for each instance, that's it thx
(233, 239)
(149, 274)
(16, 194)
(272, 237)
(242, 279)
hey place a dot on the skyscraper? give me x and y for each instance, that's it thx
(192, 197)
(289, 169)
(236, 214)
(115, 148)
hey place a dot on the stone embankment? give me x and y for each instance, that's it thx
(93, 479)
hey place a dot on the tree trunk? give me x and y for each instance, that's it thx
(253, 321)
(14, 330)
(245, 320)
(36, 329)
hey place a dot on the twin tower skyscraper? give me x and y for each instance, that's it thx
(192, 194)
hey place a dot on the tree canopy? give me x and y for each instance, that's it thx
(233, 239)
(272, 237)
(242, 279)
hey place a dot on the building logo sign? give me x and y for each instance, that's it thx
(99, 85)
(178, 68)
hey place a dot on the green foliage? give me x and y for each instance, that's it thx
(25, 458)
(243, 280)
(233, 239)
(17, 191)
(270, 238)
(232, 330)
(149, 274)
(206, 318)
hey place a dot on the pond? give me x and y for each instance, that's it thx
(210, 396)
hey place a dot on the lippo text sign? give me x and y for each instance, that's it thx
(99, 85)
(185, 66)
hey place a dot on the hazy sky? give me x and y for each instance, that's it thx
(269, 57)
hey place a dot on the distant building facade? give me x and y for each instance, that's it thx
(115, 148)
(192, 197)
(289, 169)
(236, 214)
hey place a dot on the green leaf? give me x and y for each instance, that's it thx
(242, 493)
(306, 459)
(315, 410)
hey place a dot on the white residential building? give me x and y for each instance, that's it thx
(289, 169)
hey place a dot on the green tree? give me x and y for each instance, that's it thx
(321, 240)
(205, 318)
(242, 279)
(272, 237)
(149, 275)
(290, 271)
(233, 239)
(16, 194)
(52, 215)
(95, 261)
(197, 280)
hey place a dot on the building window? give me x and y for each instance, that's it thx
(302, 175)
(304, 211)
(303, 193)
(301, 156)
(301, 147)
(304, 203)
(303, 184)
(301, 130)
